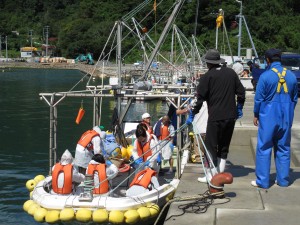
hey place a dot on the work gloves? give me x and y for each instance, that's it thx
(147, 163)
(108, 162)
(239, 110)
(138, 161)
(190, 118)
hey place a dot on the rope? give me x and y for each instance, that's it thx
(208, 157)
(200, 205)
(129, 15)
(88, 185)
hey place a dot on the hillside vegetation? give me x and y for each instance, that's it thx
(82, 26)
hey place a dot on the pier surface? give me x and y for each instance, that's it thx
(243, 204)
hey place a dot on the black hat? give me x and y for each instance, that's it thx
(213, 56)
(98, 158)
(271, 53)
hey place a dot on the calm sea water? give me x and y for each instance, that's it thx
(24, 130)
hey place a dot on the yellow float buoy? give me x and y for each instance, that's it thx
(32, 208)
(124, 153)
(129, 150)
(30, 184)
(116, 217)
(131, 216)
(116, 153)
(27, 204)
(100, 216)
(83, 215)
(170, 196)
(193, 158)
(40, 215)
(144, 212)
(67, 214)
(153, 208)
(30, 194)
(39, 178)
(52, 216)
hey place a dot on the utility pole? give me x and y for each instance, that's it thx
(240, 28)
(6, 48)
(30, 33)
(0, 45)
(46, 31)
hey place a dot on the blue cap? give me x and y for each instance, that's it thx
(271, 53)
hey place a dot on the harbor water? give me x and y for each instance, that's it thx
(24, 129)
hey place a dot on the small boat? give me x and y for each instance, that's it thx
(114, 207)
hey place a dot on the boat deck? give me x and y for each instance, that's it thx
(243, 204)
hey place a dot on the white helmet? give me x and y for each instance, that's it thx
(146, 115)
(66, 158)
(103, 135)
(97, 129)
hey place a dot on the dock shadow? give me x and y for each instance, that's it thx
(294, 175)
(238, 170)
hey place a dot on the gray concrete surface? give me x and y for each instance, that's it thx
(243, 204)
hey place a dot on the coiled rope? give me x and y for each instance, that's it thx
(200, 205)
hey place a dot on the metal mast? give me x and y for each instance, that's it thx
(47, 36)
(240, 28)
(162, 37)
(242, 18)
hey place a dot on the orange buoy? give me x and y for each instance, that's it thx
(219, 180)
(144, 29)
(124, 168)
(80, 115)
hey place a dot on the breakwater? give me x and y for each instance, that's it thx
(85, 68)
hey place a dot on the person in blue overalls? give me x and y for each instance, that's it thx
(274, 104)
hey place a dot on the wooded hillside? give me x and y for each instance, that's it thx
(78, 27)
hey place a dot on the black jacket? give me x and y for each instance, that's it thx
(219, 88)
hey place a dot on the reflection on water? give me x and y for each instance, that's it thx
(24, 130)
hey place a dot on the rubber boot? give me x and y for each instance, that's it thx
(221, 165)
(210, 173)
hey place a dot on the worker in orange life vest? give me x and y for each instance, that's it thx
(145, 149)
(88, 145)
(103, 172)
(65, 175)
(143, 181)
(165, 131)
(146, 118)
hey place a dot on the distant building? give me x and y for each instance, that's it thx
(29, 52)
(50, 50)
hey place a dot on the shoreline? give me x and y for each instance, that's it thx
(85, 68)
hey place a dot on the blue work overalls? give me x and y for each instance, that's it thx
(275, 122)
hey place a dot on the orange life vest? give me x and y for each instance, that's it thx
(164, 130)
(145, 180)
(68, 172)
(101, 169)
(86, 138)
(142, 149)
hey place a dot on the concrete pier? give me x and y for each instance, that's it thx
(243, 204)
